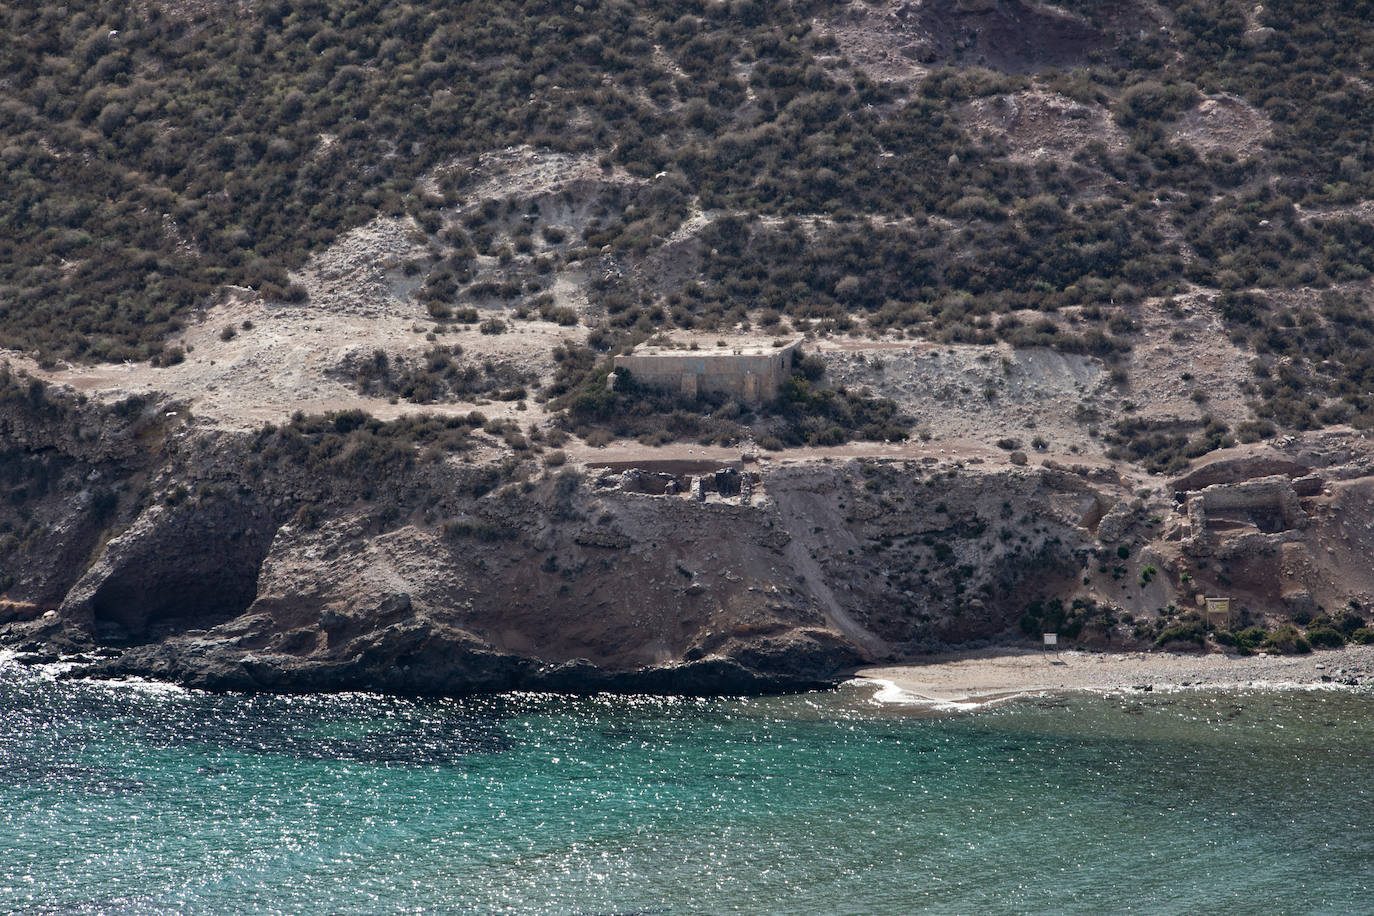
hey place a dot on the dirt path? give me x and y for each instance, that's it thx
(794, 519)
(966, 450)
(835, 614)
(249, 361)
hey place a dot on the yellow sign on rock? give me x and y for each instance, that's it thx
(1218, 606)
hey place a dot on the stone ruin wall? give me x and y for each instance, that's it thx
(725, 483)
(1274, 493)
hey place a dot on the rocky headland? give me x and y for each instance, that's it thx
(344, 553)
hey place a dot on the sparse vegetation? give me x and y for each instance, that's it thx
(1166, 446)
(736, 173)
(440, 374)
(803, 414)
(351, 444)
(151, 158)
(1286, 640)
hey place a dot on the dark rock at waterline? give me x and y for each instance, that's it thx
(449, 669)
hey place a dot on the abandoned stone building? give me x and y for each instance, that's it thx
(752, 371)
(1266, 507)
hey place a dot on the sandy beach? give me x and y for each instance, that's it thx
(988, 675)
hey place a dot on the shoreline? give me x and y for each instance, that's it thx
(954, 681)
(969, 680)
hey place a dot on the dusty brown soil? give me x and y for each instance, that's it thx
(975, 407)
(1038, 124)
(1226, 124)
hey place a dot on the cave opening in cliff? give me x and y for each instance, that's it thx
(143, 600)
(133, 612)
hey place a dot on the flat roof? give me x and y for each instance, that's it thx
(710, 347)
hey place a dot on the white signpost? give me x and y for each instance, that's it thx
(1052, 639)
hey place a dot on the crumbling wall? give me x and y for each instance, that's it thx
(1235, 470)
(1271, 504)
(727, 483)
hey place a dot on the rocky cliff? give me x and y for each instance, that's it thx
(338, 555)
(221, 560)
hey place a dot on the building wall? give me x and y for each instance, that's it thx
(750, 377)
(1274, 493)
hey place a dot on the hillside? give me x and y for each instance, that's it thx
(1112, 246)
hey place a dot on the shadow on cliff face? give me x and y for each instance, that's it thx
(193, 570)
(1014, 36)
(129, 608)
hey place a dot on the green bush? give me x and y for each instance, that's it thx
(1183, 632)
(1151, 101)
(1051, 616)
(1286, 640)
(1251, 638)
(440, 374)
(1325, 638)
(1166, 445)
(802, 414)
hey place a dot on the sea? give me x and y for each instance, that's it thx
(139, 798)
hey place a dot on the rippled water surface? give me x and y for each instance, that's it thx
(119, 799)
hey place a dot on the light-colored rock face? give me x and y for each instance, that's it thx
(976, 393)
(1038, 124)
(1234, 470)
(1223, 511)
(1223, 124)
(1114, 525)
(1274, 492)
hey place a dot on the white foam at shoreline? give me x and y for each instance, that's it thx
(889, 693)
(9, 658)
(142, 685)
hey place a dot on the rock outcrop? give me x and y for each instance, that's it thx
(231, 561)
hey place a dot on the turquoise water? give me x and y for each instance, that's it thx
(119, 799)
